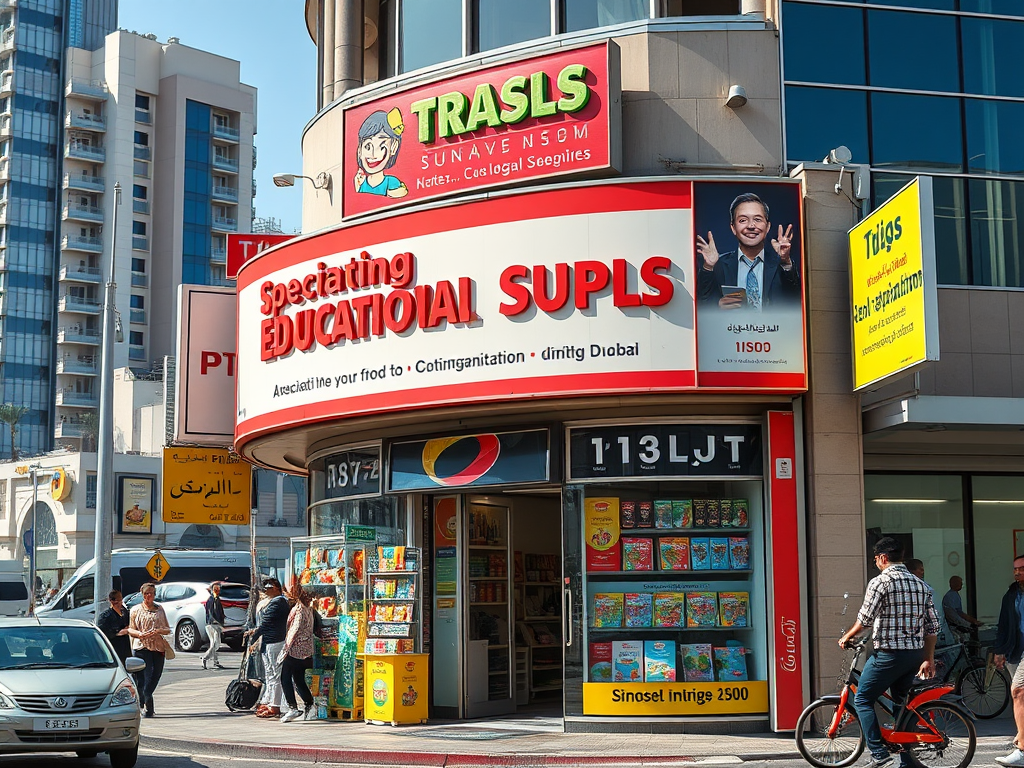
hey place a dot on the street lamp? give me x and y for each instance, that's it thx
(33, 469)
(104, 534)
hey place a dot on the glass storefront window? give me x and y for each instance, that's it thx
(500, 23)
(997, 238)
(809, 55)
(385, 513)
(431, 32)
(929, 134)
(993, 130)
(819, 119)
(912, 50)
(998, 504)
(588, 14)
(995, 47)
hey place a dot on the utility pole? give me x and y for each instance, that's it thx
(104, 536)
(32, 470)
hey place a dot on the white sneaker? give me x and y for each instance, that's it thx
(292, 714)
(1013, 760)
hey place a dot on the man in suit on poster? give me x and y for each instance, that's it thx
(760, 277)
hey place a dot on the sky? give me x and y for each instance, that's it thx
(277, 56)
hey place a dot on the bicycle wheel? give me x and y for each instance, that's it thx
(955, 750)
(824, 751)
(984, 701)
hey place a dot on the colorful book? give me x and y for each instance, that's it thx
(730, 664)
(719, 554)
(659, 661)
(645, 514)
(663, 514)
(627, 661)
(600, 658)
(608, 607)
(739, 553)
(674, 553)
(741, 512)
(700, 554)
(725, 511)
(627, 514)
(701, 609)
(638, 608)
(700, 513)
(637, 554)
(682, 513)
(714, 513)
(669, 609)
(697, 663)
(601, 523)
(733, 608)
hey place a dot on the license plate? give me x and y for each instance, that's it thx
(61, 724)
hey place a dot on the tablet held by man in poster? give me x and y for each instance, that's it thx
(750, 317)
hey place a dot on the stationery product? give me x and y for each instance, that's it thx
(714, 513)
(627, 514)
(645, 514)
(740, 513)
(701, 609)
(637, 554)
(682, 513)
(659, 661)
(739, 553)
(627, 661)
(697, 663)
(663, 514)
(719, 554)
(674, 553)
(700, 513)
(700, 554)
(725, 510)
(601, 527)
(730, 664)
(733, 608)
(638, 609)
(669, 610)
(600, 658)
(608, 609)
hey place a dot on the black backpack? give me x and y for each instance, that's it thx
(244, 691)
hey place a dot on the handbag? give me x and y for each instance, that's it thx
(242, 693)
(168, 649)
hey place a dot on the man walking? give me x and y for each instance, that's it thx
(1008, 649)
(214, 625)
(899, 608)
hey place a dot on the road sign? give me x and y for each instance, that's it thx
(158, 566)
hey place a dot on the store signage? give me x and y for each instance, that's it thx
(135, 497)
(60, 484)
(470, 461)
(895, 313)
(352, 473)
(653, 699)
(550, 115)
(205, 486)
(242, 247)
(360, 533)
(665, 450)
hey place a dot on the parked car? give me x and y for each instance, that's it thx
(13, 594)
(62, 689)
(184, 602)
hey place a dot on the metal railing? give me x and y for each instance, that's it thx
(96, 89)
(143, 116)
(82, 120)
(219, 256)
(140, 280)
(227, 163)
(140, 206)
(79, 151)
(141, 152)
(225, 132)
(137, 316)
(84, 399)
(85, 274)
(141, 169)
(78, 211)
(69, 303)
(81, 243)
(225, 193)
(84, 181)
(136, 353)
(69, 429)
(223, 222)
(73, 335)
(83, 366)
(140, 243)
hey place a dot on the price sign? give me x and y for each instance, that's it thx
(158, 567)
(352, 473)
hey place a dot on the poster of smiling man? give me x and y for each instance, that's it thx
(749, 269)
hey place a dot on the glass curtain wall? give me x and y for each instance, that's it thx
(198, 215)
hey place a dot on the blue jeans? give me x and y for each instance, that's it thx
(893, 670)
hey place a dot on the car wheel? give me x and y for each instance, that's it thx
(124, 758)
(187, 636)
(86, 753)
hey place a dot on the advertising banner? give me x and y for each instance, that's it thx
(206, 486)
(242, 247)
(353, 474)
(135, 499)
(647, 699)
(893, 286)
(550, 115)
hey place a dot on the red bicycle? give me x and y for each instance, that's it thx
(932, 733)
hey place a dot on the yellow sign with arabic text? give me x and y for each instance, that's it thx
(893, 286)
(206, 486)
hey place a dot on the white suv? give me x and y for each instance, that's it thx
(184, 602)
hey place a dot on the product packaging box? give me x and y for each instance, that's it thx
(701, 609)
(739, 553)
(663, 514)
(697, 663)
(608, 609)
(719, 554)
(741, 512)
(682, 513)
(600, 658)
(733, 608)
(700, 554)
(674, 553)
(726, 514)
(669, 609)
(714, 513)
(601, 526)
(730, 664)
(638, 608)
(645, 514)
(637, 554)
(659, 661)
(700, 513)
(627, 661)
(627, 514)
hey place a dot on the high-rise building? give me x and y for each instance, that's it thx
(174, 126)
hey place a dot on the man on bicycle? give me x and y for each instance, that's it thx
(899, 608)
(1008, 649)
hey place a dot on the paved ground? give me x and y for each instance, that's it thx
(192, 719)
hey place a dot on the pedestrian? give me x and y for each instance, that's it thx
(271, 632)
(953, 608)
(1008, 650)
(147, 625)
(214, 625)
(916, 567)
(113, 623)
(298, 655)
(899, 608)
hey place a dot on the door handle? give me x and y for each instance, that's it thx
(567, 618)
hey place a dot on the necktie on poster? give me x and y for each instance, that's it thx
(753, 291)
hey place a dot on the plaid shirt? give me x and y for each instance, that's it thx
(899, 607)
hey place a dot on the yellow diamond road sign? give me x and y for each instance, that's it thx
(158, 566)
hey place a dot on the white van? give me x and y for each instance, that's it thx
(128, 569)
(13, 593)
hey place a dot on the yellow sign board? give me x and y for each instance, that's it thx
(892, 286)
(158, 567)
(643, 699)
(60, 485)
(205, 486)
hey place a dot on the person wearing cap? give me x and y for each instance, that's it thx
(271, 631)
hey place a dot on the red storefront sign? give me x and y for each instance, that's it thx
(551, 115)
(242, 247)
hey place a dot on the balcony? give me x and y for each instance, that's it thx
(6, 127)
(5, 4)
(137, 316)
(225, 163)
(80, 274)
(140, 280)
(223, 282)
(81, 243)
(7, 84)
(5, 171)
(143, 116)
(69, 429)
(225, 132)
(225, 193)
(140, 152)
(76, 150)
(140, 243)
(83, 181)
(80, 366)
(141, 169)
(88, 122)
(136, 353)
(224, 224)
(87, 89)
(77, 212)
(81, 304)
(77, 399)
(76, 335)
(7, 40)
(140, 206)
(219, 256)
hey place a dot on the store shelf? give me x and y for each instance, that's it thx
(504, 602)
(494, 647)
(539, 583)
(488, 578)
(494, 547)
(670, 629)
(600, 575)
(698, 532)
(542, 618)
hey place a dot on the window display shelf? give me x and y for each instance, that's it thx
(597, 576)
(705, 531)
(391, 628)
(664, 630)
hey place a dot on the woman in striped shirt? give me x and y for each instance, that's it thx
(298, 655)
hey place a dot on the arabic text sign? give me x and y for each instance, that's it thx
(206, 486)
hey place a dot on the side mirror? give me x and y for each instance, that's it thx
(134, 664)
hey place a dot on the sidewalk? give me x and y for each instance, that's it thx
(192, 719)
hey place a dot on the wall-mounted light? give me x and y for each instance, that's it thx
(322, 180)
(737, 97)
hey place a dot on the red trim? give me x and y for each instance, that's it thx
(597, 198)
(752, 380)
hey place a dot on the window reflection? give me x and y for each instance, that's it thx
(997, 232)
(998, 510)
(587, 14)
(916, 132)
(431, 32)
(993, 136)
(993, 66)
(810, 55)
(1000, 7)
(499, 22)
(938, 5)
(819, 119)
(912, 50)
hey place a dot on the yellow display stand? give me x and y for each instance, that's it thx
(395, 688)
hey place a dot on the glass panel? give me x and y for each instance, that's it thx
(431, 32)
(993, 136)
(1000, 7)
(998, 537)
(572, 571)
(588, 14)
(916, 132)
(997, 236)
(912, 50)
(810, 55)
(446, 634)
(993, 66)
(384, 513)
(940, 5)
(820, 119)
(499, 22)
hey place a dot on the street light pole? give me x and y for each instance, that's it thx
(104, 535)
(33, 469)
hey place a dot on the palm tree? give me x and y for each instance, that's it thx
(11, 414)
(90, 429)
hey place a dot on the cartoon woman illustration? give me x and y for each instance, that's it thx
(380, 138)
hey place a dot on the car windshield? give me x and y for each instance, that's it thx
(43, 647)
